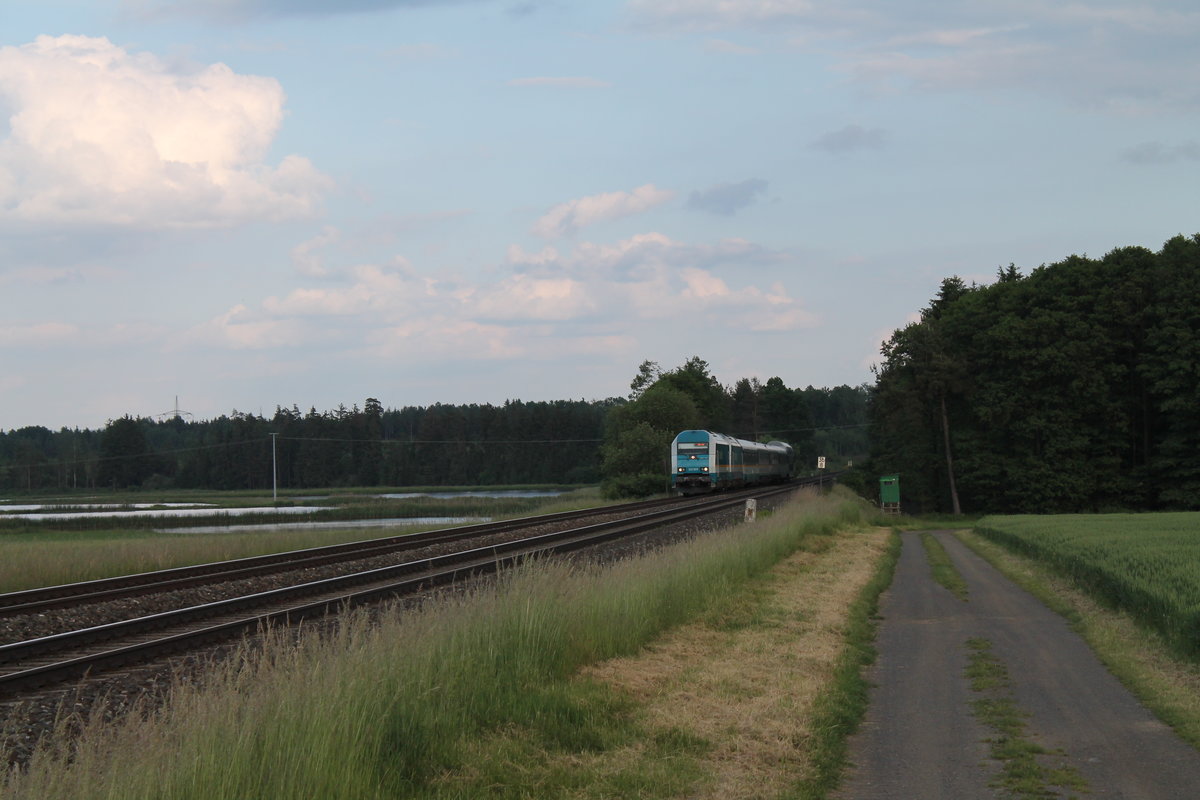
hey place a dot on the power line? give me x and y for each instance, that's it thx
(261, 440)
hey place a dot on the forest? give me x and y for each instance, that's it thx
(553, 442)
(1075, 388)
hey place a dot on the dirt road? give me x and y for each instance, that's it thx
(921, 739)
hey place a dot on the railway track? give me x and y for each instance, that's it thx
(35, 663)
(35, 601)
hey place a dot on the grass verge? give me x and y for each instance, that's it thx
(942, 567)
(400, 709)
(1024, 772)
(841, 709)
(1140, 658)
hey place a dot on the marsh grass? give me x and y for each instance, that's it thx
(393, 709)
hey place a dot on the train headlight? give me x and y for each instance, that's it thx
(704, 469)
(681, 469)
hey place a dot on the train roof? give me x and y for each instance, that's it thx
(704, 436)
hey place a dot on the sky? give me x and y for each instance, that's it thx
(233, 205)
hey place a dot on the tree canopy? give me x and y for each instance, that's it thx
(1074, 388)
(639, 433)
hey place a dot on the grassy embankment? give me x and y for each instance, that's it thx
(50, 553)
(485, 695)
(1128, 583)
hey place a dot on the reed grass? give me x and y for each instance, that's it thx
(382, 711)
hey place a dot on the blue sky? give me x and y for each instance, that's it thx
(252, 203)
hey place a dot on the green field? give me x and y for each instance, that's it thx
(1145, 564)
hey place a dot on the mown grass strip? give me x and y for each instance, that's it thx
(840, 711)
(944, 571)
(388, 711)
(726, 700)
(1023, 772)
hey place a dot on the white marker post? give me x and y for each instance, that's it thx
(751, 510)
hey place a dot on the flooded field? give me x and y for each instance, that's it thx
(215, 512)
(330, 525)
(155, 510)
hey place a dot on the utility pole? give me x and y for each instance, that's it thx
(274, 473)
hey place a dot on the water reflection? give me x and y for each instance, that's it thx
(169, 512)
(480, 493)
(335, 525)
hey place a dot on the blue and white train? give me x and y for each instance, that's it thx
(704, 461)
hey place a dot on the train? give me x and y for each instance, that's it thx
(706, 461)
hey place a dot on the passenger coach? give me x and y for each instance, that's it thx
(704, 461)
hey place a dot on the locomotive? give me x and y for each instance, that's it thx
(705, 461)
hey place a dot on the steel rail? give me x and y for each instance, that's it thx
(338, 593)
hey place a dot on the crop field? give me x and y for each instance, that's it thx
(1145, 564)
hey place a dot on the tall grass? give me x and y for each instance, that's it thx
(1145, 564)
(374, 712)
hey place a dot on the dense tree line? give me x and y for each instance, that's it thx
(516, 443)
(828, 422)
(1075, 388)
(447, 445)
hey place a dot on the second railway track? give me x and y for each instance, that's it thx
(69, 655)
(34, 601)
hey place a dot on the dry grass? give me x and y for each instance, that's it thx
(746, 682)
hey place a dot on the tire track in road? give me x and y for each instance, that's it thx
(919, 738)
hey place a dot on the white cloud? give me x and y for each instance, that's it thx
(951, 37)
(566, 218)
(719, 14)
(99, 135)
(1120, 56)
(37, 334)
(238, 329)
(306, 255)
(540, 305)
(517, 255)
(37, 276)
(394, 289)
(78, 337)
(438, 338)
(527, 298)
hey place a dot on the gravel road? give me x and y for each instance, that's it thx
(920, 739)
